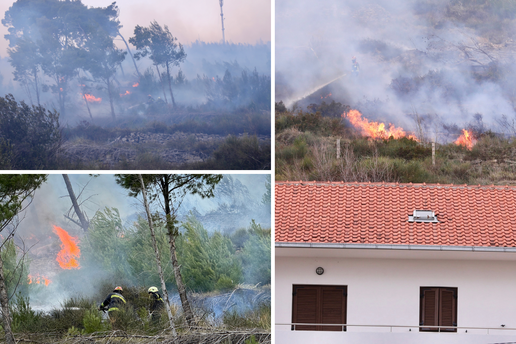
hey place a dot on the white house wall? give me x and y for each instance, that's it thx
(386, 292)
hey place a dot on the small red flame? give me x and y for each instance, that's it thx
(324, 97)
(67, 257)
(90, 98)
(126, 93)
(466, 139)
(136, 85)
(375, 130)
(37, 279)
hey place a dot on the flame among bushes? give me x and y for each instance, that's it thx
(466, 139)
(375, 130)
(37, 279)
(67, 257)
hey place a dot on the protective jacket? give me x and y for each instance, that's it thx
(112, 302)
(157, 302)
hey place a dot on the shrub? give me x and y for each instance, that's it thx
(30, 137)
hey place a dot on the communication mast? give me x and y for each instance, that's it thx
(221, 2)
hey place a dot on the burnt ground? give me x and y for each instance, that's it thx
(140, 149)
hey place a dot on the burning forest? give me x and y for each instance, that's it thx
(61, 271)
(403, 91)
(217, 94)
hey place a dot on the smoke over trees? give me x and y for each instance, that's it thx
(161, 47)
(55, 36)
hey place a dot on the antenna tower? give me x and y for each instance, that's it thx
(221, 2)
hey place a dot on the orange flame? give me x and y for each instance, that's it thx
(136, 85)
(324, 97)
(69, 250)
(38, 280)
(90, 98)
(466, 139)
(126, 93)
(376, 130)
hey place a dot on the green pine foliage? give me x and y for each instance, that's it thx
(256, 255)
(208, 261)
(106, 244)
(15, 269)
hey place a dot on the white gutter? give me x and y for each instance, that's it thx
(394, 247)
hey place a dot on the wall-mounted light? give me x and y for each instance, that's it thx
(319, 271)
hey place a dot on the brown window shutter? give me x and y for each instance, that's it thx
(448, 308)
(429, 308)
(305, 307)
(333, 307)
(319, 304)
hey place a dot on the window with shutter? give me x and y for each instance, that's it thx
(438, 307)
(319, 304)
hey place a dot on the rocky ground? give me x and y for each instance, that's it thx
(177, 148)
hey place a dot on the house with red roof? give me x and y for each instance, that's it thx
(394, 263)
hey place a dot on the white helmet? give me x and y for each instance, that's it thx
(153, 290)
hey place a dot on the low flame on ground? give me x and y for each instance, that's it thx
(124, 94)
(67, 257)
(37, 279)
(136, 85)
(90, 98)
(324, 97)
(375, 130)
(466, 139)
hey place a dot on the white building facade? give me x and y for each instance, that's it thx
(384, 284)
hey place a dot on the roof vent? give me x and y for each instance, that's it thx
(423, 216)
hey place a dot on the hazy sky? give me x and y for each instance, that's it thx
(246, 21)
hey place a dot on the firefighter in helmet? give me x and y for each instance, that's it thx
(157, 304)
(112, 304)
(355, 68)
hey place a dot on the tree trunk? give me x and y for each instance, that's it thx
(158, 259)
(190, 319)
(162, 87)
(80, 215)
(4, 302)
(130, 54)
(108, 82)
(170, 87)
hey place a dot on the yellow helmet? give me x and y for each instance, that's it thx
(153, 290)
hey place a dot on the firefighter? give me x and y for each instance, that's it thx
(112, 303)
(355, 68)
(157, 304)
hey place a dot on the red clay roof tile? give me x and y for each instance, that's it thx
(377, 213)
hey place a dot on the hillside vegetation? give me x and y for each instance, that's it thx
(306, 149)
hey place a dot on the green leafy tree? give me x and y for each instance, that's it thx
(106, 244)
(169, 190)
(30, 137)
(15, 190)
(208, 262)
(162, 48)
(256, 255)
